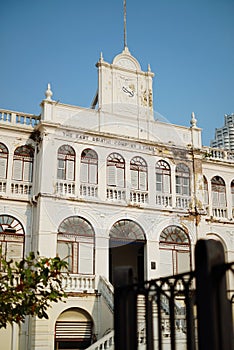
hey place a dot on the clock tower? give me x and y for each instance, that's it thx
(123, 88)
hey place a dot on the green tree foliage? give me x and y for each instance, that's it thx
(28, 287)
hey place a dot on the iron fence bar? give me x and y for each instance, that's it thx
(190, 339)
(159, 308)
(149, 322)
(172, 317)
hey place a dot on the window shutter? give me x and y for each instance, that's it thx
(166, 265)
(70, 170)
(64, 251)
(111, 175)
(120, 177)
(178, 185)
(86, 258)
(183, 259)
(3, 168)
(214, 199)
(27, 175)
(134, 179)
(93, 173)
(166, 184)
(84, 172)
(143, 181)
(159, 183)
(222, 199)
(17, 169)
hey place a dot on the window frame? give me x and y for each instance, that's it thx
(139, 166)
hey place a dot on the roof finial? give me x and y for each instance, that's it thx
(125, 25)
(193, 120)
(48, 93)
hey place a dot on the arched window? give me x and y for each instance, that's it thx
(182, 180)
(11, 238)
(23, 164)
(115, 170)
(205, 191)
(218, 190)
(232, 192)
(127, 231)
(139, 177)
(163, 177)
(76, 244)
(73, 329)
(175, 252)
(89, 167)
(66, 163)
(3, 161)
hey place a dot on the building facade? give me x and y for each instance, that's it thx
(224, 137)
(105, 187)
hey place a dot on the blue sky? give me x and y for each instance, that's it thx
(188, 43)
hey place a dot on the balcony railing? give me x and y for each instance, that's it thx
(65, 187)
(183, 202)
(163, 200)
(219, 154)
(219, 212)
(78, 283)
(2, 186)
(21, 188)
(138, 197)
(17, 118)
(88, 191)
(115, 194)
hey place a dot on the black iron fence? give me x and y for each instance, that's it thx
(190, 311)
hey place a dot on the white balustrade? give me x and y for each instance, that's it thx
(183, 202)
(219, 212)
(219, 154)
(107, 291)
(115, 194)
(78, 283)
(163, 200)
(21, 188)
(19, 118)
(2, 186)
(65, 188)
(106, 342)
(138, 197)
(88, 190)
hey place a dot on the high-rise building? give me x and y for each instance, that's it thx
(224, 136)
(106, 187)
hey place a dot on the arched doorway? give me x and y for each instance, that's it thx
(175, 251)
(126, 248)
(73, 330)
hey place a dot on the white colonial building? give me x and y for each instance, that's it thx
(105, 187)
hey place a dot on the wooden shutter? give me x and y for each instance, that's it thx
(134, 179)
(120, 177)
(143, 180)
(222, 199)
(17, 169)
(183, 261)
(73, 330)
(85, 258)
(3, 167)
(93, 173)
(166, 184)
(70, 170)
(27, 175)
(166, 263)
(84, 172)
(111, 175)
(215, 200)
(64, 251)
(159, 183)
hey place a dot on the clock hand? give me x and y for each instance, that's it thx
(129, 92)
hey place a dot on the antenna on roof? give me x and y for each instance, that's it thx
(125, 29)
